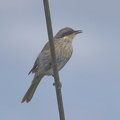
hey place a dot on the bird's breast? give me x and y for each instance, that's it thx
(63, 53)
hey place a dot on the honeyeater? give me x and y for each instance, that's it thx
(43, 64)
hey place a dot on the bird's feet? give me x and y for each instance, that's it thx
(59, 86)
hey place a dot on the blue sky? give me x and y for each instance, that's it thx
(90, 80)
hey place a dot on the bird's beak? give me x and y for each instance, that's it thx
(78, 31)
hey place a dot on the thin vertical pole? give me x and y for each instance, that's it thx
(52, 48)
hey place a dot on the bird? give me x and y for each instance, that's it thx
(43, 64)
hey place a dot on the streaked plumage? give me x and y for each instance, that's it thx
(43, 64)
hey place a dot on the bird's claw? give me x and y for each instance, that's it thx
(59, 86)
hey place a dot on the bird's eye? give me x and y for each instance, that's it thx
(67, 33)
(70, 32)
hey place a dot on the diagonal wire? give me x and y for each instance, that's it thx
(52, 48)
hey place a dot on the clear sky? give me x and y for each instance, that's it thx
(90, 80)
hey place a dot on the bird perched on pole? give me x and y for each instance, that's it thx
(43, 64)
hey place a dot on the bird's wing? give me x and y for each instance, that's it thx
(36, 64)
(46, 47)
(35, 67)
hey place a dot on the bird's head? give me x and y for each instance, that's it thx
(67, 33)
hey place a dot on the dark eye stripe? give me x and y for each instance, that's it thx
(64, 32)
(67, 33)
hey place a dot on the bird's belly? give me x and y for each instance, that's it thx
(60, 64)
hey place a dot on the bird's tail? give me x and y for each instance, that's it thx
(30, 92)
